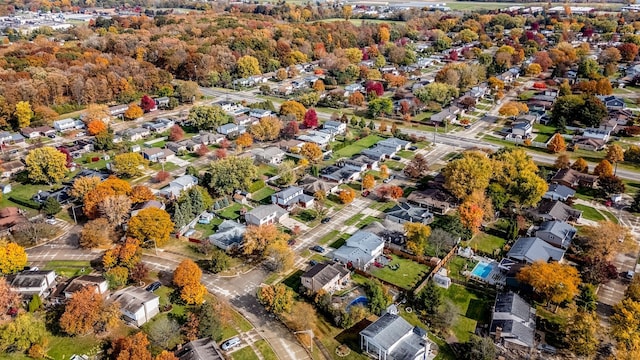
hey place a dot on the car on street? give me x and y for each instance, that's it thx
(313, 263)
(81, 134)
(51, 136)
(317, 248)
(396, 158)
(154, 286)
(231, 343)
(325, 220)
(628, 275)
(467, 126)
(291, 242)
(413, 148)
(386, 180)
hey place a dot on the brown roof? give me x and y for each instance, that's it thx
(432, 197)
(572, 176)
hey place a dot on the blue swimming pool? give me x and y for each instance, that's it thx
(482, 270)
(360, 300)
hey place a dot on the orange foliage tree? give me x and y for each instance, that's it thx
(347, 195)
(110, 187)
(134, 347)
(368, 182)
(557, 144)
(471, 215)
(96, 127)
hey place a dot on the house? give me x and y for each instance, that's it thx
(178, 185)
(118, 110)
(478, 92)
(311, 185)
(245, 120)
(137, 305)
(341, 174)
(573, 178)
(612, 102)
(319, 138)
(521, 130)
(392, 338)
(155, 154)
(287, 145)
(207, 138)
(351, 88)
(556, 233)
(556, 210)
(30, 133)
(327, 276)
(76, 284)
(162, 102)
(587, 143)
(265, 214)
(513, 321)
(272, 155)
(228, 129)
(229, 235)
(395, 143)
(135, 134)
(559, 192)
(292, 196)
(5, 137)
(29, 283)
(61, 195)
(404, 212)
(64, 125)
(336, 126)
(10, 168)
(531, 249)
(435, 200)
(201, 349)
(598, 133)
(260, 113)
(447, 115)
(360, 250)
(159, 125)
(363, 162)
(146, 205)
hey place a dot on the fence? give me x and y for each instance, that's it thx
(369, 276)
(442, 263)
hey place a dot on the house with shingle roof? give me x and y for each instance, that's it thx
(559, 192)
(573, 178)
(556, 233)
(327, 276)
(392, 338)
(265, 214)
(229, 234)
(513, 321)
(531, 249)
(556, 210)
(137, 305)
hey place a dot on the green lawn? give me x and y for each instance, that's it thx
(589, 213)
(265, 350)
(262, 194)
(331, 235)
(394, 165)
(357, 146)
(487, 243)
(69, 268)
(166, 293)
(205, 229)
(457, 265)
(407, 154)
(354, 219)
(63, 347)
(341, 241)
(406, 276)
(610, 216)
(267, 170)
(240, 321)
(366, 221)
(472, 308)
(246, 353)
(232, 211)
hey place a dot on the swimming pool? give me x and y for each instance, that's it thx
(360, 300)
(482, 270)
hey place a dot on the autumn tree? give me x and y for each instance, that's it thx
(133, 112)
(615, 154)
(8, 299)
(128, 164)
(292, 107)
(470, 173)
(417, 235)
(110, 187)
(87, 312)
(46, 165)
(151, 224)
(13, 258)
(132, 347)
(471, 216)
(555, 282)
(368, 182)
(534, 69)
(310, 119)
(603, 169)
(205, 117)
(417, 167)
(513, 109)
(628, 51)
(557, 144)
(386, 192)
(356, 99)
(245, 140)
(248, 66)
(96, 112)
(96, 233)
(347, 195)
(23, 114)
(281, 256)
(258, 238)
(311, 151)
(605, 240)
(266, 129)
(580, 165)
(187, 277)
(563, 161)
(140, 194)
(21, 333)
(277, 298)
(231, 173)
(291, 129)
(166, 355)
(127, 254)
(96, 127)
(176, 133)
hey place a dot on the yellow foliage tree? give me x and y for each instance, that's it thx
(46, 165)
(368, 182)
(557, 144)
(247, 66)
(13, 258)
(417, 236)
(128, 164)
(243, 141)
(193, 294)
(23, 114)
(267, 129)
(347, 195)
(384, 172)
(187, 273)
(555, 282)
(292, 107)
(151, 224)
(133, 112)
(603, 169)
(311, 151)
(82, 185)
(257, 238)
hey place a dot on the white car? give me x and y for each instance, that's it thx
(231, 343)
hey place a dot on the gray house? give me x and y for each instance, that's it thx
(404, 212)
(265, 214)
(230, 234)
(201, 349)
(559, 192)
(531, 249)
(137, 305)
(392, 338)
(513, 321)
(556, 233)
(292, 196)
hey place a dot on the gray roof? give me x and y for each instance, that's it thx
(378, 152)
(394, 142)
(263, 211)
(30, 279)
(532, 249)
(132, 298)
(312, 184)
(290, 191)
(325, 272)
(515, 317)
(512, 303)
(558, 210)
(229, 233)
(185, 180)
(201, 349)
(518, 330)
(364, 240)
(408, 212)
(559, 191)
(332, 124)
(557, 233)
(396, 336)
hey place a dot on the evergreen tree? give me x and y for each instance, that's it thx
(197, 203)
(51, 206)
(430, 298)
(178, 217)
(362, 124)
(371, 125)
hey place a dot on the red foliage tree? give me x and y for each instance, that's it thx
(221, 154)
(311, 119)
(290, 130)
(147, 104)
(176, 133)
(374, 86)
(628, 51)
(225, 144)
(453, 55)
(203, 150)
(161, 176)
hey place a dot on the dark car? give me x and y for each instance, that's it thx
(413, 148)
(291, 242)
(396, 158)
(154, 286)
(313, 263)
(325, 220)
(52, 136)
(317, 248)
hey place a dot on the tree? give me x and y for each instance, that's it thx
(126, 255)
(96, 233)
(193, 294)
(115, 209)
(632, 154)
(21, 333)
(534, 69)
(471, 216)
(187, 273)
(133, 347)
(104, 140)
(440, 93)
(166, 355)
(542, 58)
(615, 154)
(470, 173)
(266, 129)
(276, 298)
(128, 164)
(587, 300)
(244, 141)
(378, 295)
(176, 133)
(580, 165)
(292, 107)
(95, 127)
(287, 173)
(220, 261)
(625, 323)
(133, 112)
(557, 144)
(430, 298)
(86, 312)
(151, 224)
(368, 182)
(605, 239)
(138, 273)
(140, 194)
(603, 169)
(347, 195)
(96, 112)
(258, 238)
(248, 66)
(610, 185)
(23, 114)
(110, 187)
(46, 165)
(318, 86)
(82, 185)
(555, 282)
(563, 161)
(347, 11)
(628, 51)
(13, 258)
(231, 173)
(384, 171)
(310, 119)
(513, 109)
(51, 206)
(609, 55)
(390, 192)
(8, 299)
(356, 99)
(417, 167)
(210, 320)
(417, 235)
(147, 103)
(204, 117)
(380, 106)
(280, 254)
(290, 130)
(311, 151)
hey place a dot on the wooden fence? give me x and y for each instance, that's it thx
(442, 263)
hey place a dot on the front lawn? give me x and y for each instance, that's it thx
(246, 353)
(69, 268)
(62, 347)
(265, 350)
(263, 194)
(331, 235)
(487, 243)
(589, 213)
(394, 165)
(267, 170)
(405, 276)
(355, 148)
(407, 154)
(354, 219)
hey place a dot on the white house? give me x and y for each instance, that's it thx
(137, 305)
(337, 127)
(97, 281)
(292, 196)
(29, 283)
(360, 250)
(64, 125)
(265, 214)
(328, 277)
(259, 113)
(271, 155)
(391, 337)
(178, 185)
(229, 234)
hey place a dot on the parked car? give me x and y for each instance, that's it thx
(313, 263)
(325, 220)
(231, 343)
(396, 158)
(386, 180)
(413, 148)
(291, 242)
(81, 134)
(154, 286)
(51, 136)
(366, 193)
(317, 248)
(50, 221)
(628, 275)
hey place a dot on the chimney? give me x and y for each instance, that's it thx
(498, 334)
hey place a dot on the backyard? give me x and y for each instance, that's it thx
(406, 275)
(232, 211)
(473, 307)
(263, 195)
(486, 243)
(357, 146)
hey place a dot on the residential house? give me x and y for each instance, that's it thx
(135, 134)
(162, 102)
(64, 125)
(30, 133)
(311, 185)
(319, 138)
(478, 92)
(513, 321)
(352, 88)
(404, 212)
(118, 110)
(292, 196)
(245, 120)
(325, 276)
(573, 178)
(556, 210)
(137, 305)
(341, 174)
(531, 249)
(260, 113)
(556, 233)
(265, 214)
(435, 200)
(228, 129)
(521, 130)
(362, 161)
(287, 145)
(559, 192)
(201, 349)
(10, 168)
(61, 195)
(360, 250)
(29, 283)
(10, 217)
(587, 143)
(447, 115)
(378, 152)
(159, 125)
(207, 138)
(157, 154)
(612, 102)
(146, 205)
(5, 137)
(230, 234)
(178, 185)
(337, 126)
(395, 143)
(272, 155)
(78, 283)
(392, 338)
(598, 133)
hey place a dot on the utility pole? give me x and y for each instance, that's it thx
(310, 333)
